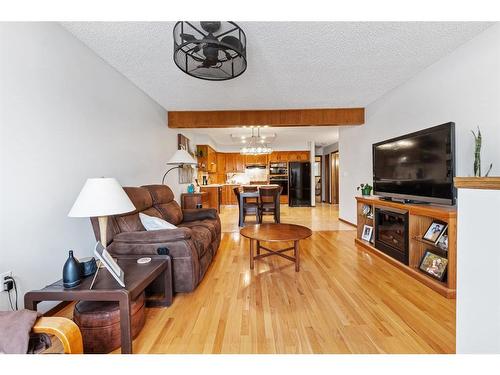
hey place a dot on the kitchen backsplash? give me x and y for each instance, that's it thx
(254, 174)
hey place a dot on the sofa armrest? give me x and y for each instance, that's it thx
(194, 214)
(153, 236)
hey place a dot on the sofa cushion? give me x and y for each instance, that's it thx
(171, 212)
(202, 239)
(160, 193)
(140, 197)
(163, 201)
(211, 224)
(154, 223)
(132, 223)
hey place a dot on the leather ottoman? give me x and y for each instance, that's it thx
(99, 323)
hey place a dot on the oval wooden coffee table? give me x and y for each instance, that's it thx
(275, 233)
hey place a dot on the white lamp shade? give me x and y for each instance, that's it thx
(181, 157)
(101, 197)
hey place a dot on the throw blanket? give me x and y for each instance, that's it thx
(15, 328)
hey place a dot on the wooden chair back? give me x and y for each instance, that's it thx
(270, 195)
(236, 191)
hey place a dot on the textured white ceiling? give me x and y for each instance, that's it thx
(290, 64)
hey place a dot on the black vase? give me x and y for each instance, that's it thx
(71, 272)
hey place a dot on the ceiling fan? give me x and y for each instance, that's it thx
(214, 50)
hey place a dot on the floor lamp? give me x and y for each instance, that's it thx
(179, 159)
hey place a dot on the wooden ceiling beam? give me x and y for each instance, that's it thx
(273, 117)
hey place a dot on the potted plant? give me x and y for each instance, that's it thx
(366, 189)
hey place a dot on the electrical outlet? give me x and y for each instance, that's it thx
(2, 278)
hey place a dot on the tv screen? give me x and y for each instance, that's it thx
(419, 166)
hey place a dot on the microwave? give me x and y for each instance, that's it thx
(278, 168)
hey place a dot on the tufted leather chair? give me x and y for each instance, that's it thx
(192, 245)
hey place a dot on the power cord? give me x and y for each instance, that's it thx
(15, 289)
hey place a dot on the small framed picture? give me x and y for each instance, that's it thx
(443, 242)
(114, 269)
(367, 233)
(435, 231)
(434, 265)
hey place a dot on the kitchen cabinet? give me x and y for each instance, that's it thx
(304, 155)
(207, 159)
(280, 156)
(214, 196)
(221, 168)
(240, 163)
(228, 196)
(287, 156)
(235, 162)
(256, 159)
(221, 162)
(298, 155)
(211, 160)
(230, 166)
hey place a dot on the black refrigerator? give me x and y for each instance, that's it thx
(299, 184)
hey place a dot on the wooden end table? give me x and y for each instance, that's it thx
(137, 278)
(275, 233)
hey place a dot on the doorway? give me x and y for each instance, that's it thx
(317, 178)
(327, 176)
(334, 170)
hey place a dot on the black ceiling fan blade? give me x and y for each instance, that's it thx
(188, 37)
(233, 42)
(210, 26)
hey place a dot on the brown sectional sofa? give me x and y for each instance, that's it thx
(192, 245)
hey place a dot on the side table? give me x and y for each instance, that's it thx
(137, 278)
(190, 200)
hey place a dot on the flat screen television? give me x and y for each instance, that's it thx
(417, 167)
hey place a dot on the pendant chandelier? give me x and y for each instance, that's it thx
(211, 50)
(256, 145)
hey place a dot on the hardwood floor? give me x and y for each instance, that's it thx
(322, 217)
(343, 300)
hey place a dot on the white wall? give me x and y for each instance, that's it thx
(478, 266)
(65, 115)
(463, 87)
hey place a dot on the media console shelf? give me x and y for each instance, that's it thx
(420, 218)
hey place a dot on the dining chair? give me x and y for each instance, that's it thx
(269, 201)
(250, 189)
(248, 208)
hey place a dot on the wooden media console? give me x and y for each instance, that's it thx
(420, 217)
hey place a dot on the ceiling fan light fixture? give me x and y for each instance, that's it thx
(210, 50)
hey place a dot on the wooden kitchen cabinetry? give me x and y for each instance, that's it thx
(207, 159)
(286, 156)
(214, 197)
(256, 159)
(221, 163)
(278, 156)
(235, 162)
(221, 168)
(228, 196)
(240, 163)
